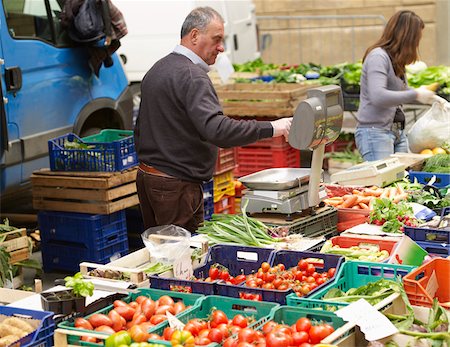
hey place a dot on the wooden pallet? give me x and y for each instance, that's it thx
(85, 192)
(17, 244)
(268, 100)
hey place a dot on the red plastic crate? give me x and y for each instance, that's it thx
(251, 160)
(226, 160)
(278, 142)
(429, 281)
(226, 205)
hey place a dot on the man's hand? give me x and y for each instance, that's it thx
(282, 127)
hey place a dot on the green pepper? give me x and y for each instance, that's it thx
(117, 339)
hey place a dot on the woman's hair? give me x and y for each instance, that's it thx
(199, 18)
(401, 39)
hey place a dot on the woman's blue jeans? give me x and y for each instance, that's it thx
(376, 143)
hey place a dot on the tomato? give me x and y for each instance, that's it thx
(98, 319)
(148, 307)
(299, 337)
(224, 275)
(230, 342)
(178, 307)
(240, 321)
(118, 303)
(117, 339)
(239, 278)
(146, 326)
(105, 329)
(310, 269)
(162, 309)
(247, 335)
(89, 339)
(126, 312)
(281, 267)
(244, 344)
(215, 335)
(202, 341)
(329, 328)
(302, 264)
(138, 334)
(218, 317)
(277, 282)
(331, 271)
(306, 344)
(317, 333)
(213, 272)
(203, 333)
(192, 328)
(154, 336)
(133, 304)
(225, 329)
(268, 327)
(278, 339)
(182, 338)
(283, 286)
(265, 266)
(83, 324)
(270, 277)
(303, 324)
(140, 299)
(139, 319)
(165, 300)
(167, 334)
(117, 320)
(158, 318)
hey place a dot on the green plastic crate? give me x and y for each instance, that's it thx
(230, 306)
(108, 135)
(352, 274)
(189, 299)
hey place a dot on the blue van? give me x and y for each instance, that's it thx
(48, 89)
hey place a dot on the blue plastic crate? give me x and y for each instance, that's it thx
(63, 256)
(237, 259)
(439, 236)
(93, 230)
(323, 262)
(442, 179)
(208, 199)
(43, 336)
(435, 248)
(112, 156)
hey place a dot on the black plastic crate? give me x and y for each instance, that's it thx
(434, 248)
(351, 102)
(135, 227)
(208, 199)
(93, 230)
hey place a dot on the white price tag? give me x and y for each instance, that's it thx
(182, 267)
(174, 322)
(432, 285)
(373, 323)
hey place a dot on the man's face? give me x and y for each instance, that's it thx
(210, 42)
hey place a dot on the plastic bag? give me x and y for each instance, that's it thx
(166, 243)
(432, 129)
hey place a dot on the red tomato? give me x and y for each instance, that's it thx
(277, 282)
(299, 337)
(179, 307)
(240, 321)
(303, 324)
(213, 272)
(239, 278)
(331, 271)
(167, 334)
(126, 312)
(165, 300)
(225, 329)
(154, 336)
(118, 303)
(89, 339)
(230, 342)
(162, 309)
(117, 320)
(146, 326)
(158, 318)
(302, 264)
(148, 307)
(105, 329)
(140, 298)
(216, 335)
(329, 328)
(278, 339)
(310, 269)
(244, 344)
(265, 266)
(192, 328)
(306, 344)
(133, 304)
(218, 317)
(202, 341)
(138, 334)
(317, 333)
(268, 327)
(224, 275)
(247, 335)
(98, 319)
(281, 267)
(83, 324)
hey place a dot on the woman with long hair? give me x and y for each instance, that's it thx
(384, 88)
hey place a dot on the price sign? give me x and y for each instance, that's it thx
(182, 267)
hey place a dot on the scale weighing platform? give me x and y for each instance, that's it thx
(317, 121)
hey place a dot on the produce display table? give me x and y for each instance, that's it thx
(85, 192)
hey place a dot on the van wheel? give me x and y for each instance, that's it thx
(136, 92)
(90, 131)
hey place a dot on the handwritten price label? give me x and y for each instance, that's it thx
(182, 267)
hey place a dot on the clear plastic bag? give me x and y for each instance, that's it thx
(166, 243)
(432, 129)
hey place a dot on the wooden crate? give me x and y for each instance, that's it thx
(264, 99)
(17, 244)
(85, 192)
(217, 81)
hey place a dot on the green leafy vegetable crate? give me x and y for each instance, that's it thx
(352, 274)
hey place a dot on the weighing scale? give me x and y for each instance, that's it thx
(317, 121)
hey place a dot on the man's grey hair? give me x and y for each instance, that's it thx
(199, 18)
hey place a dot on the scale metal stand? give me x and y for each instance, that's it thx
(317, 121)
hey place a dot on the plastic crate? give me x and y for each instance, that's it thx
(251, 160)
(434, 248)
(193, 300)
(278, 142)
(235, 258)
(225, 205)
(258, 311)
(421, 291)
(115, 155)
(43, 335)
(347, 242)
(442, 179)
(92, 230)
(289, 258)
(352, 274)
(323, 223)
(430, 235)
(226, 160)
(223, 185)
(64, 256)
(208, 199)
(351, 102)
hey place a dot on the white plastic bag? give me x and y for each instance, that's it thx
(166, 243)
(432, 129)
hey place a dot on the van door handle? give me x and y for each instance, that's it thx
(13, 78)
(235, 41)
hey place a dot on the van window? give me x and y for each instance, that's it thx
(29, 19)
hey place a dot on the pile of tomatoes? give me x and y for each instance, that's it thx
(135, 317)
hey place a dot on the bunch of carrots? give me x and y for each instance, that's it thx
(363, 198)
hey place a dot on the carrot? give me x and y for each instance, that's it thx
(350, 201)
(365, 199)
(385, 193)
(356, 192)
(356, 207)
(392, 192)
(363, 206)
(400, 197)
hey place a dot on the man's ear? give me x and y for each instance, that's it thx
(194, 34)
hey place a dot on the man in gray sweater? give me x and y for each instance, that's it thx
(181, 124)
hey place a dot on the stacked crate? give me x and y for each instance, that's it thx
(223, 181)
(82, 201)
